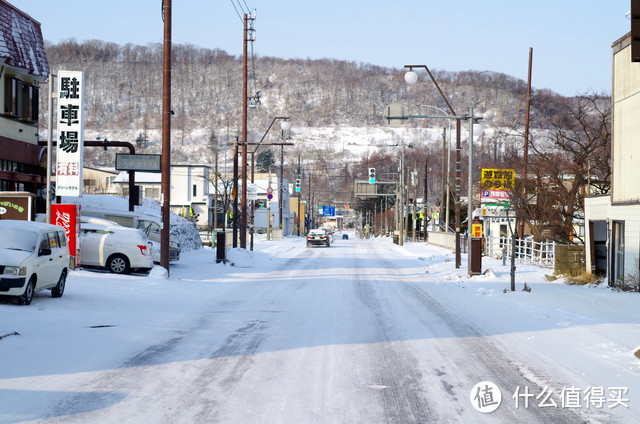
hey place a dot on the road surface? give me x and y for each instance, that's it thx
(346, 334)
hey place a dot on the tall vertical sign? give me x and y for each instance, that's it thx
(70, 133)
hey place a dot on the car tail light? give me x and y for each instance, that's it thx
(143, 249)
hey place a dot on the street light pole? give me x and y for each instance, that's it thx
(411, 77)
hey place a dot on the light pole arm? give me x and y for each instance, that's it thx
(284, 118)
(436, 84)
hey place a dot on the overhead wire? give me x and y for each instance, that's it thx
(236, 9)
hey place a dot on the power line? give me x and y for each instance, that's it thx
(236, 9)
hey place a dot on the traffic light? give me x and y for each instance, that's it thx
(298, 185)
(372, 175)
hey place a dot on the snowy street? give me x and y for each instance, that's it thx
(362, 332)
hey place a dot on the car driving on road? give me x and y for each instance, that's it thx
(34, 256)
(318, 237)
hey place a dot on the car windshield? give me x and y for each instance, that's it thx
(15, 239)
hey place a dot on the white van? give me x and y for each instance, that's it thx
(34, 256)
(151, 226)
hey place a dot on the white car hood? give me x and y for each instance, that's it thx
(12, 257)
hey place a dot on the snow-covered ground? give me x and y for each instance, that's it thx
(210, 342)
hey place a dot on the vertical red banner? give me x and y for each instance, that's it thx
(68, 217)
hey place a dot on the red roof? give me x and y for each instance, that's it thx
(21, 42)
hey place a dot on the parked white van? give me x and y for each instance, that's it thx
(106, 244)
(34, 256)
(151, 225)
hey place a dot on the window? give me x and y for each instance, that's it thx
(34, 100)
(153, 193)
(53, 240)
(44, 242)
(62, 237)
(21, 99)
(195, 190)
(11, 95)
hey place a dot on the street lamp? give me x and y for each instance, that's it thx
(411, 77)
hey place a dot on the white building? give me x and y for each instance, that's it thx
(613, 220)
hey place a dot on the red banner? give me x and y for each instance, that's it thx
(68, 217)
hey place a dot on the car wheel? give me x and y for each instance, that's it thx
(27, 296)
(58, 290)
(118, 264)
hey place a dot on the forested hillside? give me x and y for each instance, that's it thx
(331, 103)
(124, 88)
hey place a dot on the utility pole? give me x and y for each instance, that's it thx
(215, 194)
(425, 212)
(166, 136)
(247, 36)
(309, 206)
(444, 175)
(281, 188)
(402, 196)
(299, 197)
(234, 193)
(525, 151)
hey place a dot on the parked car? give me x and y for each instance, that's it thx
(34, 256)
(105, 244)
(318, 237)
(345, 237)
(149, 224)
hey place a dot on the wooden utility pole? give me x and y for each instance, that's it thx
(243, 142)
(166, 136)
(525, 151)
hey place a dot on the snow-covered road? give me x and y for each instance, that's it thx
(358, 333)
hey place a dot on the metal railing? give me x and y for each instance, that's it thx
(527, 251)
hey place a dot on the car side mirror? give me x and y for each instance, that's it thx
(44, 252)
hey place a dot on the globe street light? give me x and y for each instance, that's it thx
(411, 77)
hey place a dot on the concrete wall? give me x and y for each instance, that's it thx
(446, 240)
(569, 260)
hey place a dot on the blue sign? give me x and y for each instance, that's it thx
(328, 211)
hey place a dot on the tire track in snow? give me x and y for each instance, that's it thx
(469, 352)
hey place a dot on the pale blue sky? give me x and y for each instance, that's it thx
(571, 39)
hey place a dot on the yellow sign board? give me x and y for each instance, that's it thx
(498, 179)
(476, 230)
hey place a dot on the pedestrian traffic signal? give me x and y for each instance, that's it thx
(372, 175)
(298, 182)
